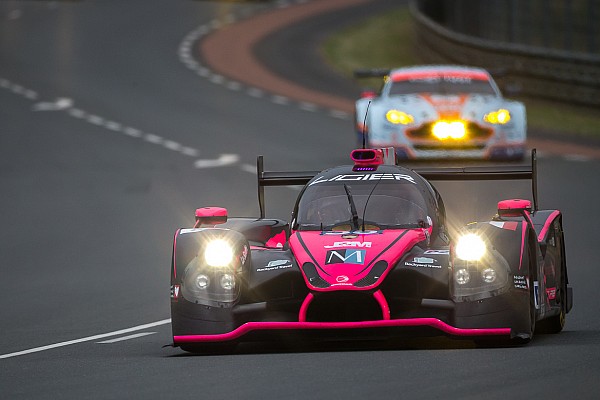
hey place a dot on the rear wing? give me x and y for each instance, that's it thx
(271, 178)
(486, 173)
(481, 173)
(371, 72)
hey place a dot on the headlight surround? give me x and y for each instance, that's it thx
(470, 247)
(399, 117)
(498, 117)
(449, 130)
(215, 274)
(479, 270)
(218, 253)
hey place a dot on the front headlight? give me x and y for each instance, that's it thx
(449, 129)
(501, 116)
(470, 247)
(479, 269)
(399, 117)
(218, 253)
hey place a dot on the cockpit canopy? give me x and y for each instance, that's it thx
(386, 199)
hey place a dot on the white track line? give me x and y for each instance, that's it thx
(86, 339)
(134, 336)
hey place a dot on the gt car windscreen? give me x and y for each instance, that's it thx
(389, 205)
(442, 85)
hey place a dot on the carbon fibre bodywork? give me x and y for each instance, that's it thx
(370, 274)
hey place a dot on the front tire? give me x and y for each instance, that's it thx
(555, 323)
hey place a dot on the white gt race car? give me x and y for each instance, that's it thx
(440, 111)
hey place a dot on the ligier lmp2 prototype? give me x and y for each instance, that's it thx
(441, 111)
(367, 254)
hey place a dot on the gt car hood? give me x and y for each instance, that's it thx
(446, 106)
(343, 259)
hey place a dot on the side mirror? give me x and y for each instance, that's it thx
(210, 216)
(513, 208)
(368, 94)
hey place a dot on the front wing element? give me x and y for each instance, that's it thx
(434, 323)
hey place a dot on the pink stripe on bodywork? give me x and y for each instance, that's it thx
(389, 246)
(547, 224)
(391, 323)
(304, 308)
(385, 308)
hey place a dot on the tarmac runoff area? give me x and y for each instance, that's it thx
(238, 63)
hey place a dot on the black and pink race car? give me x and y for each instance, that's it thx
(368, 254)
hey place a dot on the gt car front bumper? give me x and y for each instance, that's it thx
(508, 152)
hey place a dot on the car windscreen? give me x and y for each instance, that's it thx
(389, 204)
(441, 85)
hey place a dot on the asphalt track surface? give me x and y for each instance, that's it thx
(110, 137)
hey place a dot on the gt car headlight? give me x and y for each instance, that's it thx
(470, 247)
(449, 129)
(218, 253)
(501, 116)
(399, 117)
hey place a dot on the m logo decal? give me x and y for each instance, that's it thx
(345, 256)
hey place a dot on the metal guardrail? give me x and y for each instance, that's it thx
(532, 71)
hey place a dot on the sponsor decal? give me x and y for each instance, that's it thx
(551, 293)
(345, 256)
(349, 233)
(342, 279)
(244, 255)
(365, 177)
(190, 230)
(437, 252)
(423, 262)
(536, 293)
(275, 264)
(510, 225)
(175, 289)
(520, 282)
(336, 245)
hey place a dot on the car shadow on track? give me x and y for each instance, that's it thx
(298, 346)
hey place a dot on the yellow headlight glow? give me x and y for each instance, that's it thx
(470, 247)
(399, 117)
(449, 130)
(501, 116)
(218, 253)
